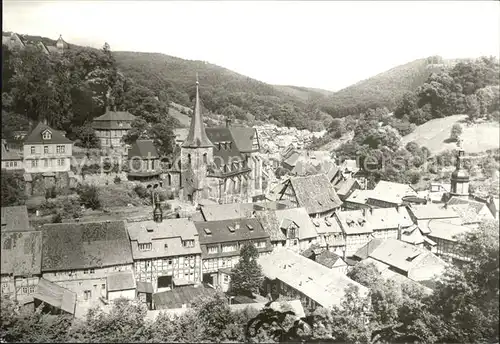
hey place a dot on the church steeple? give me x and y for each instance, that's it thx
(197, 137)
(460, 177)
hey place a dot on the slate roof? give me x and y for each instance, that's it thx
(143, 149)
(21, 253)
(327, 258)
(35, 137)
(55, 295)
(220, 232)
(323, 285)
(243, 138)
(223, 156)
(359, 196)
(180, 296)
(115, 116)
(432, 211)
(169, 232)
(315, 193)
(445, 230)
(123, 280)
(83, 245)
(327, 225)
(197, 137)
(353, 222)
(301, 218)
(15, 218)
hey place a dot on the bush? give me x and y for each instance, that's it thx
(117, 180)
(57, 218)
(89, 196)
(51, 192)
(141, 191)
(456, 131)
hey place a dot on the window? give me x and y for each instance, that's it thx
(4, 287)
(213, 249)
(170, 262)
(87, 294)
(92, 271)
(47, 135)
(145, 247)
(46, 162)
(189, 158)
(166, 247)
(86, 271)
(60, 162)
(45, 149)
(188, 243)
(25, 290)
(226, 279)
(32, 149)
(229, 248)
(205, 158)
(103, 286)
(260, 244)
(60, 149)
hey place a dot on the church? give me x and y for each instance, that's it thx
(221, 164)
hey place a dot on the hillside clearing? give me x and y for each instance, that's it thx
(174, 111)
(476, 137)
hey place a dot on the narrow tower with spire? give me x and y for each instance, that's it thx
(196, 156)
(460, 177)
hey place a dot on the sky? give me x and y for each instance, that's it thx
(324, 44)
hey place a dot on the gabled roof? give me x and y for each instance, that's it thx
(271, 225)
(178, 297)
(323, 285)
(123, 280)
(84, 245)
(345, 186)
(327, 258)
(432, 211)
(315, 193)
(21, 253)
(15, 218)
(244, 138)
(223, 156)
(220, 232)
(113, 120)
(395, 253)
(359, 196)
(217, 212)
(168, 232)
(197, 136)
(392, 192)
(35, 137)
(445, 230)
(54, 295)
(300, 217)
(469, 211)
(143, 149)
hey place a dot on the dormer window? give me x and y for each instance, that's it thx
(188, 243)
(47, 135)
(145, 247)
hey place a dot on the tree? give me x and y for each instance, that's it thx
(89, 196)
(247, 274)
(87, 136)
(12, 189)
(214, 314)
(472, 107)
(456, 131)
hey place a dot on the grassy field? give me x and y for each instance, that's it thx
(174, 111)
(434, 135)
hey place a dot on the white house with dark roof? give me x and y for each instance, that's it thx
(166, 253)
(21, 254)
(80, 256)
(221, 242)
(314, 193)
(47, 150)
(290, 274)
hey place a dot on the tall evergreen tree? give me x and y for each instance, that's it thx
(247, 274)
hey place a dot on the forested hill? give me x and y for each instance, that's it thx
(384, 89)
(224, 92)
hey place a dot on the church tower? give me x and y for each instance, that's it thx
(460, 177)
(196, 156)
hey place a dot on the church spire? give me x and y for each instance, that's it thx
(197, 137)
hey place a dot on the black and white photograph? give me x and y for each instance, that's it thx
(250, 171)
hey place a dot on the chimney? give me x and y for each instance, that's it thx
(228, 122)
(399, 232)
(45, 121)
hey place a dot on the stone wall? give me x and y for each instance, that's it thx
(40, 183)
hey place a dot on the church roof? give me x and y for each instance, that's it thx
(197, 137)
